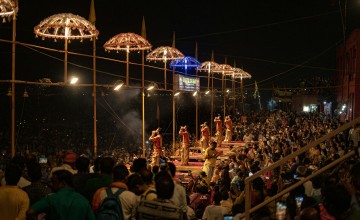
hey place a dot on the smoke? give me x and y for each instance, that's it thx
(131, 124)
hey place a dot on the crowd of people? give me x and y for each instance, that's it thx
(77, 187)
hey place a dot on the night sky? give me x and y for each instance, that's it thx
(277, 42)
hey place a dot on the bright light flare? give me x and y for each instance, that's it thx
(74, 80)
(195, 93)
(118, 86)
(207, 92)
(177, 93)
(151, 88)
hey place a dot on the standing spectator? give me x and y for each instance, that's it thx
(20, 162)
(14, 202)
(82, 176)
(104, 180)
(210, 159)
(68, 163)
(127, 198)
(150, 192)
(65, 204)
(37, 188)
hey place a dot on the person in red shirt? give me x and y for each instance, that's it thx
(229, 128)
(184, 145)
(218, 134)
(205, 136)
(156, 138)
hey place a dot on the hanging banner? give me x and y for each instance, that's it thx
(186, 83)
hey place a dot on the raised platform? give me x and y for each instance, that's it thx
(196, 157)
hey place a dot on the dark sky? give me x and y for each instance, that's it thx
(275, 41)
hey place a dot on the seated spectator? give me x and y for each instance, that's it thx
(65, 203)
(179, 196)
(14, 202)
(336, 201)
(215, 211)
(204, 181)
(225, 201)
(301, 172)
(200, 199)
(189, 211)
(162, 207)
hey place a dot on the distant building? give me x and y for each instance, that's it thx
(348, 76)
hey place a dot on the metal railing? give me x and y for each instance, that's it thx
(248, 181)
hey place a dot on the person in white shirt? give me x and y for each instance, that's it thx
(215, 211)
(179, 195)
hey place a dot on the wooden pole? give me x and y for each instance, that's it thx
(94, 96)
(13, 85)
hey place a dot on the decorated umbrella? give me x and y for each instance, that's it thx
(240, 74)
(186, 62)
(68, 27)
(127, 42)
(8, 9)
(208, 66)
(224, 69)
(164, 54)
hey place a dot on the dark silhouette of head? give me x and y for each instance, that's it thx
(12, 174)
(82, 164)
(164, 185)
(107, 165)
(120, 173)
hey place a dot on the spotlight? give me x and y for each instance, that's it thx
(177, 93)
(74, 80)
(207, 92)
(152, 86)
(118, 85)
(195, 93)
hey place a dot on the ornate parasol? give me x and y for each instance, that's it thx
(185, 63)
(127, 42)
(240, 73)
(8, 8)
(224, 69)
(68, 27)
(208, 66)
(164, 54)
